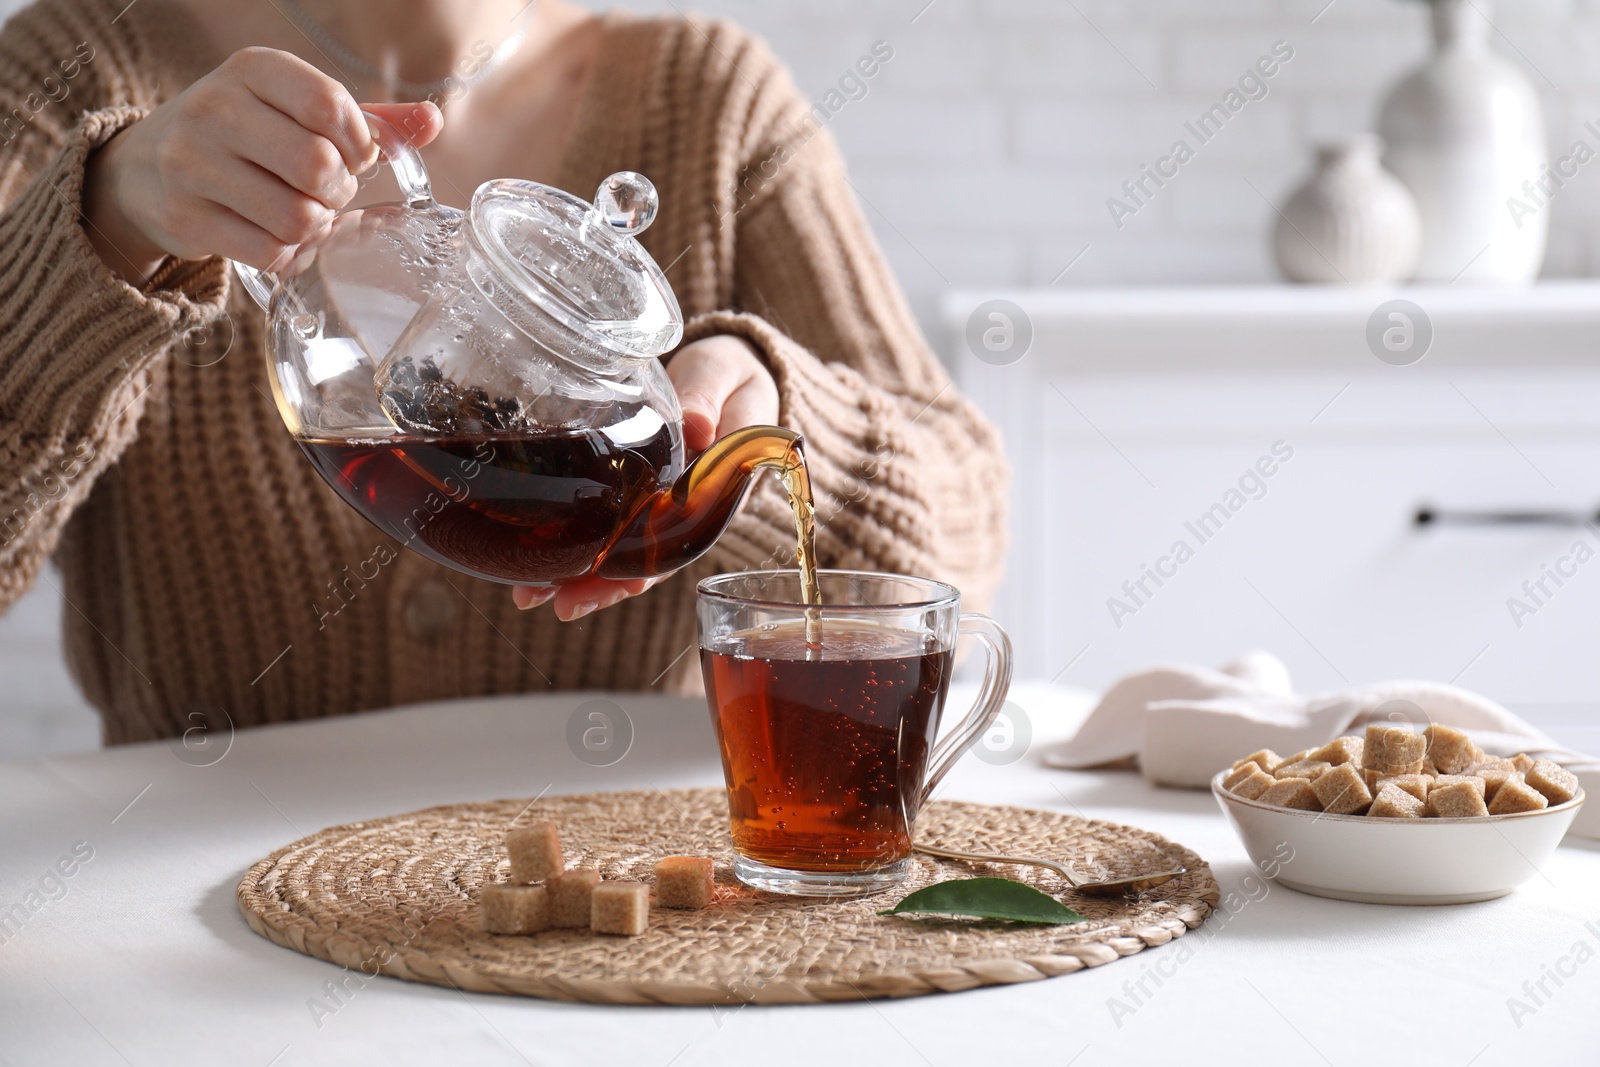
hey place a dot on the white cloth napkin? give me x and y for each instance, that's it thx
(1184, 723)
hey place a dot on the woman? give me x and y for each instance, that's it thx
(138, 443)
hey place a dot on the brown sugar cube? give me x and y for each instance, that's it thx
(1415, 784)
(1451, 751)
(569, 897)
(1393, 802)
(1306, 768)
(1458, 800)
(1266, 759)
(1493, 769)
(1495, 777)
(1285, 761)
(1558, 784)
(535, 853)
(1372, 778)
(1456, 779)
(1340, 750)
(1239, 774)
(1392, 750)
(684, 882)
(1516, 795)
(1257, 783)
(1428, 768)
(1340, 791)
(1493, 763)
(1291, 793)
(515, 909)
(1523, 762)
(619, 908)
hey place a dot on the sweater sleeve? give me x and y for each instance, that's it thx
(79, 348)
(908, 476)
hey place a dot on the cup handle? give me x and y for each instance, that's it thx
(991, 698)
(409, 174)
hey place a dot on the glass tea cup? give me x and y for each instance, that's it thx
(827, 718)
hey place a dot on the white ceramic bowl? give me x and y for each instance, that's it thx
(1396, 861)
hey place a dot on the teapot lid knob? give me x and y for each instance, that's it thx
(627, 201)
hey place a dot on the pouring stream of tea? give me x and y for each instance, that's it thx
(797, 482)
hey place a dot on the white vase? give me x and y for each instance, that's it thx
(1465, 132)
(1352, 223)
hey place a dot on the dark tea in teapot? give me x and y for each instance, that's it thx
(545, 507)
(531, 510)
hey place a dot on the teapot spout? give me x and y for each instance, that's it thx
(680, 523)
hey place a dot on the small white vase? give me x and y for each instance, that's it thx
(1352, 223)
(1465, 132)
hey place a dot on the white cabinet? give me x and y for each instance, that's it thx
(1136, 413)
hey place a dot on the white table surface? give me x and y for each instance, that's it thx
(144, 959)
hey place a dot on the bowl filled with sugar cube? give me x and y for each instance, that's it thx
(1399, 816)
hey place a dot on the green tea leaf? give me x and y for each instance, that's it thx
(986, 898)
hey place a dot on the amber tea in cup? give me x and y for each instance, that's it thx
(828, 718)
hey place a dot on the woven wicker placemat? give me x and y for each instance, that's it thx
(398, 896)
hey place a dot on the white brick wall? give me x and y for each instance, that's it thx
(987, 147)
(993, 105)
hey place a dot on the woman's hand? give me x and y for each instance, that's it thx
(723, 386)
(249, 162)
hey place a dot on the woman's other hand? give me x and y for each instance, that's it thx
(722, 386)
(249, 162)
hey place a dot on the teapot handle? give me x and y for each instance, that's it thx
(409, 174)
(404, 160)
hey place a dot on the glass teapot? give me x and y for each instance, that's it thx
(485, 386)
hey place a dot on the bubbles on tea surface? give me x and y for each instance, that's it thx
(840, 639)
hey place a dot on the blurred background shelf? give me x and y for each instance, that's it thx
(1135, 412)
(1294, 328)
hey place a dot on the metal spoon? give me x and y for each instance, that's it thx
(1116, 887)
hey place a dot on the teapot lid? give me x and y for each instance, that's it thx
(548, 255)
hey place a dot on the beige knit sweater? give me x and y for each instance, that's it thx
(139, 446)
